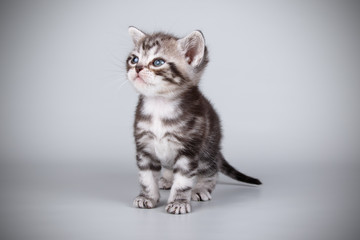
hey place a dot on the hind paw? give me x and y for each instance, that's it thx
(200, 195)
(164, 183)
(144, 202)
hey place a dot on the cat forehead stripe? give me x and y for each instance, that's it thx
(149, 43)
(155, 40)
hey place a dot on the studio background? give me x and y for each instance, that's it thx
(284, 77)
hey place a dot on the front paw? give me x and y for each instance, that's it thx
(178, 207)
(144, 202)
(164, 183)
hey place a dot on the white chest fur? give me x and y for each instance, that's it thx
(161, 144)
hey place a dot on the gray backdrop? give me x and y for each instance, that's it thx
(283, 75)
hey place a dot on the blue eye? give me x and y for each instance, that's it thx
(158, 62)
(134, 60)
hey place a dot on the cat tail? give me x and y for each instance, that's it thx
(230, 171)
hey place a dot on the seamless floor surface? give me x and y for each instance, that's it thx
(43, 201)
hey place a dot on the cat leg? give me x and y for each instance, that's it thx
(166, 179)
(148, 177)
(203, 188)
(180, 193)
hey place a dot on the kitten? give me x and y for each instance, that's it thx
(177, 131)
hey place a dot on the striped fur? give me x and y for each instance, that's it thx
(177, 131)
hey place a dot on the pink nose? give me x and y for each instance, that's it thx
(138, 68)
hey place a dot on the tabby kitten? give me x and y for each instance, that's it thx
(177, 131)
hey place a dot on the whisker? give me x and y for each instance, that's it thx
(113, 80)
(114, 70)
(109, 79)
(122, 84)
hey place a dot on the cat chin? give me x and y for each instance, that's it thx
(154, 93)
(150, 90)
(146, 90)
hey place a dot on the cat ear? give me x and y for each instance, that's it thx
(193, 47)
(136, 34)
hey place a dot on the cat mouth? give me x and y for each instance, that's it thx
(141, 81)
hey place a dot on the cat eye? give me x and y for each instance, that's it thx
(158, 62)
(134, 60)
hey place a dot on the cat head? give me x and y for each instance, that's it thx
(164, 65)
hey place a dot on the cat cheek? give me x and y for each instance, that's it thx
(131, 74)
(149, 77)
